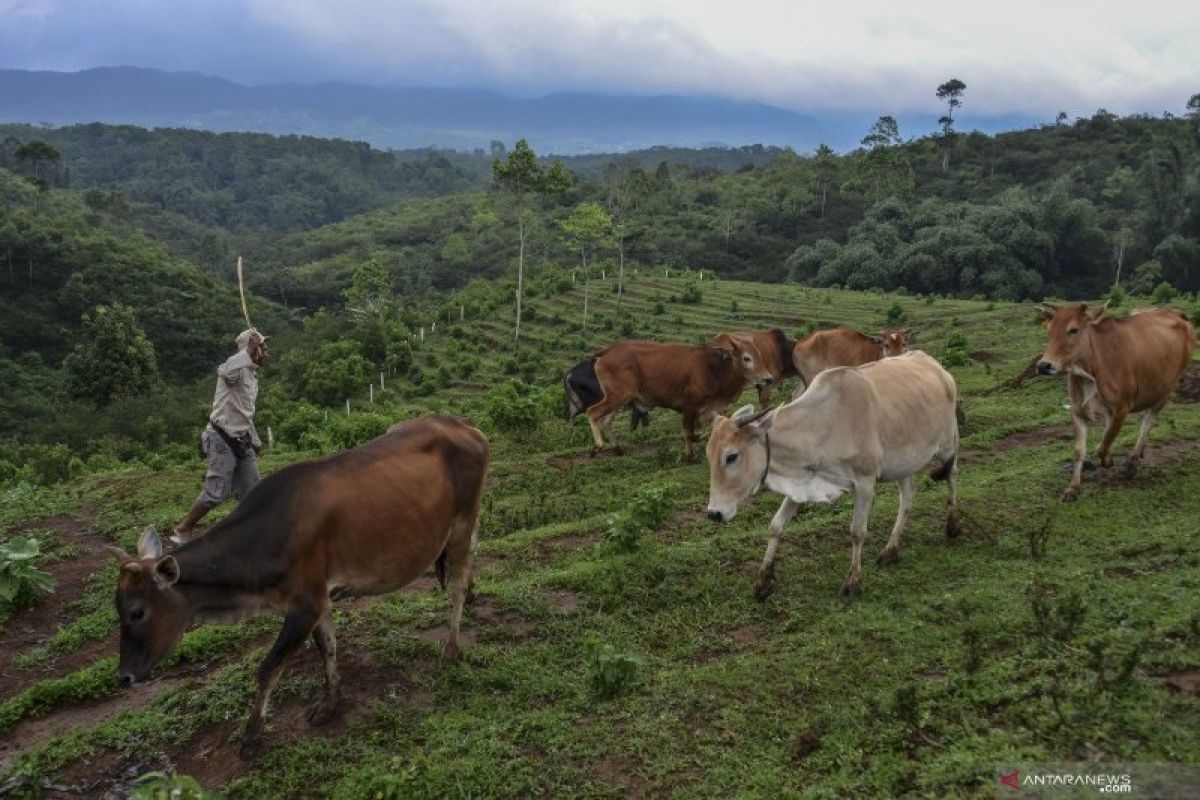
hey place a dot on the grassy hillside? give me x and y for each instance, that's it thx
(1049, 632)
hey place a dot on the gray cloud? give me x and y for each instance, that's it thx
(1032, 56)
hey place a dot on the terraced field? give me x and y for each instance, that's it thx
(1048, 632)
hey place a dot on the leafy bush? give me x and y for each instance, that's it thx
(21, 584)
(336, 372)
(659, 308)
(610, 673)
(1163, 293)
(691, 294)
(509, 407)
(955, 353)
(895, 315)
(648, 510)
(161, 786)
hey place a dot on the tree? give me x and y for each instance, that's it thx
(587, 229)
(113, 358)
(370, 295)
(883, 133)
(36, 153)
(950, 91)
(826, 163)
(1193, 106)
(620, 184)
(521, 179)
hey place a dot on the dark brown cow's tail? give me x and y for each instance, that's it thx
(582, 387)
(942, 473)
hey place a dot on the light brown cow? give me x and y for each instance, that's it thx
(1114, 367)
(854, 427)
(366, 521)
(845, 347)
(698, 381)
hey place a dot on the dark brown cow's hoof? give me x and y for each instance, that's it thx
(450, 651)
(888, 556)
(849, 589)
(324, 710)
(763, 590)
(251, 747)
(618, 451)
(1070, 495)
(1129, 469)
(953, 527)
(595, 451)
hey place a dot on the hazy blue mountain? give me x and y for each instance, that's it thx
(416, 117)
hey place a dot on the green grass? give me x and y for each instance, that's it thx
(965, 655)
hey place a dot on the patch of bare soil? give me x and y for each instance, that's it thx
(485, 614)
(566, 462)
(548, 549)
(631, 785)
(1188, 390)
(35, 625)
(1184, 681)
(563, 602)
(1035, 437)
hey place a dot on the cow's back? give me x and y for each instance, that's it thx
(837, 347)
(1139, 359)
(660, 374)
(375, 517)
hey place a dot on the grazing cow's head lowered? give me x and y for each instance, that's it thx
(1067, 326)
(743, 351)
(153, 614)
(737, 461)
(894, 343)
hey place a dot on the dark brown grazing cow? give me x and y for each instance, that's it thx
(365, 521)
(1114, 367)
(845, 347)
(698, 381)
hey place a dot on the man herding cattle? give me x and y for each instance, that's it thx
(1114, 367)
(229, 441)
(854, 426)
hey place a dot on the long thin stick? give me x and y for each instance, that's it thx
(242, 291)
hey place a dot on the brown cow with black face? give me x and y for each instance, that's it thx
(365, 521)
(1114, 367)
(698, 381)
(845, 347)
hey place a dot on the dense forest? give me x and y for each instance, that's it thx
(120, 235)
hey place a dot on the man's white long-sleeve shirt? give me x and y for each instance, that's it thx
(237, 391)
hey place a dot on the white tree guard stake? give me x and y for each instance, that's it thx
(270, 437)
(422, 333)
(462, 313)
(371, 393)
(666, 273)
(603, 275)
(381, 385)
(433, 327)
(347, 406)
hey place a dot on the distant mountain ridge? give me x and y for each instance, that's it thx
(465, 119)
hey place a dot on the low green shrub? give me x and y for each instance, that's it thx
(21, 583)
(610, 673)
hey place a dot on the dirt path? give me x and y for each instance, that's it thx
(35, 625)
(566, 462)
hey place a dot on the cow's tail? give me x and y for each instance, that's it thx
(942, 473)
(638, 417)
(582, 388)
(439, 567)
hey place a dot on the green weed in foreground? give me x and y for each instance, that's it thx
(21, 583)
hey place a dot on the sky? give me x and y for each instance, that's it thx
(1016, 56)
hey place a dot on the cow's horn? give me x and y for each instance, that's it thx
(744, 421)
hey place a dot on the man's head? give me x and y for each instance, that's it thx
(1067, 341)
(254, 343)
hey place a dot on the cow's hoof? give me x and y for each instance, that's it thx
(251, 747)
(850, 589)
(763, 590)
(618, 451)
(1070, 495)
(953, 527)
(889, 556)
(595, 451)
(450, 651)
(1129, 469)
(323, 710)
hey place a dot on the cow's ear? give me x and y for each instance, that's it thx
(910, 334)
(1045, 311)
(149, 545)
(1096, 313)
(120, 554)
(742, 414)
(166, 572)
(876, 340)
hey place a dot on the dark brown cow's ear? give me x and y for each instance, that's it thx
(166, 572)
(1045, 311)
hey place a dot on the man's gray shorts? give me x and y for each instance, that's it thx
(226, 474)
